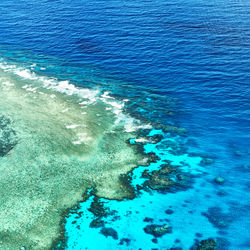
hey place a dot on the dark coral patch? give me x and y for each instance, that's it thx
(209, 244)
(96, 223)
(8, 138)
(217, 217)
(206, 161)
(126, 180)
(109, 232)
(125, 241)
(175, 130)
(147, 219)
(167, 179)
(155, 240)
(169, 211)
(157, 230)
(97, 208)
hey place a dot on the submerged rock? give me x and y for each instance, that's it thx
(217, 217)
(238, 153)
(245, 168)
(159, 180)
(174, 129)
(169, 211)
(158, 230)
(206, 161)
(209, 244)
(147, 219)
(219, 180)
(96, 223)
(222, 193)
(124, 241)
(109, 231)
(155, 240)
(97, 208)
(167, 179)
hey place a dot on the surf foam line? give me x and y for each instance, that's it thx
(89, 96)
(69, 139)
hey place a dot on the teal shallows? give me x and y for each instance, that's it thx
(129, 216)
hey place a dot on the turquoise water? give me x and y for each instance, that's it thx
(120, 80)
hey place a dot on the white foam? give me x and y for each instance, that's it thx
(32, 66)
(25, 74)
(52, 83)
(87, 96)
(65, 110)
(84, 103)
(106, 95)
(133, 126)
(73, 126)
(130, 127)
(142, 140)
(130, 124)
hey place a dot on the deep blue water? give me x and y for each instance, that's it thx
(190, 56)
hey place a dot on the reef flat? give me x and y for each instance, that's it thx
(56, 141)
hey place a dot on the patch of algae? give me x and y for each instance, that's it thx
(63, 148)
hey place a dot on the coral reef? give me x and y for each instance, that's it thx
(96, 223)
(97, 208)
(54, 147)
(108, 231)
(167, 179)
(158, 230)
(209, 244)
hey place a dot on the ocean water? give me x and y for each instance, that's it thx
(89, 90)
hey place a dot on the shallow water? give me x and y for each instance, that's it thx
(108, 70)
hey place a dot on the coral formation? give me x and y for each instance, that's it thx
(167, 179)
(209, 244)
(56, 142)
(158, 230)
(108, 231)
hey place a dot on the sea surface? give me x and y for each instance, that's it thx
(173, 76)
